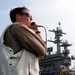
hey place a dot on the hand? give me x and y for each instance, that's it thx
(34, 28)
(40, 57)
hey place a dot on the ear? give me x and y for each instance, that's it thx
(18, 16)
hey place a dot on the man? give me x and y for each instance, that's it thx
(21, 45)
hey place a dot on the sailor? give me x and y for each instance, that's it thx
(21, 45)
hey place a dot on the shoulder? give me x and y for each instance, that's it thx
(18, 24)
(15, 26)
(18, 27)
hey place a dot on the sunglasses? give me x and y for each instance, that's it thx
(27, 14)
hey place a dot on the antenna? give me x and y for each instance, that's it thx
(59, 24)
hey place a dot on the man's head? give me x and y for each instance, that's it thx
(21, 14)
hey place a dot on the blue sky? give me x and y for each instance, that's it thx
(47, 13)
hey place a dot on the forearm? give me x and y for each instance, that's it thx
(29, 40)
(38, 33)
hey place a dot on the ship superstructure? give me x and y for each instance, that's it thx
(58, 63)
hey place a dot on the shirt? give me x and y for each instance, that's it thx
(20, 63)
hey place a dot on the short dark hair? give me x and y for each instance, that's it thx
(15, 11)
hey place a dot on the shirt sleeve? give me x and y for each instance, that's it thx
(29, 40)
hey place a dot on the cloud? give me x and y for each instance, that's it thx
(4, 12)
(49, 13)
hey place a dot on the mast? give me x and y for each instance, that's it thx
(58, 33)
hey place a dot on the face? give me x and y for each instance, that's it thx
(25, 18)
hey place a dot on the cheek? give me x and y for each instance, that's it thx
(29, 20)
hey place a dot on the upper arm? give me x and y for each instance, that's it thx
(29, 40)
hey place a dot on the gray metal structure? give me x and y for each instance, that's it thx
(52, 63)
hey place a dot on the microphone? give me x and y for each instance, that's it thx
(33, 24)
